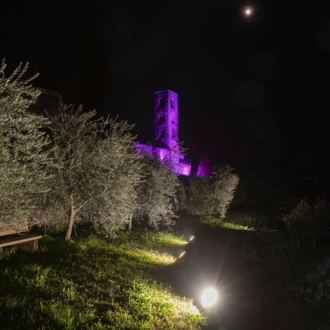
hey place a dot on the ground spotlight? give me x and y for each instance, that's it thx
(182, 254)
(209, 297)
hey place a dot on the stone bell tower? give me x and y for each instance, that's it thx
(166, 118)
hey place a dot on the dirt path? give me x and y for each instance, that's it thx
(244, 303)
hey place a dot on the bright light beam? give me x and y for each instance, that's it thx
(209, 297)
(191, 238)
(182, 254)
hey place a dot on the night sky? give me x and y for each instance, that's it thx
(259, 83)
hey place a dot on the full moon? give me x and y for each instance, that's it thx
(248, 11)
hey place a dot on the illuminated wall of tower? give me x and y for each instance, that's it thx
(166, 118)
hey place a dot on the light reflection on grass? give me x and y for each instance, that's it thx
(222, 223)
(92, 283)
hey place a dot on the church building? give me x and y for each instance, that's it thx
(166, 145)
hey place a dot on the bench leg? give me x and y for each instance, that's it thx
(30, 246)
(1, 251)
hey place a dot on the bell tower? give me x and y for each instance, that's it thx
(166, 118)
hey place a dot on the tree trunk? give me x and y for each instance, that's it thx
(182, 197)
(130, 223)
(149, 220)
(74, 230)
(72, 213)
(202, 213)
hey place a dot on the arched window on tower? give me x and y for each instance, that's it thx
(172, 104)
(161, 119)
(161, 103)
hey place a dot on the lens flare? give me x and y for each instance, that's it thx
(209, 297)
(191, 238)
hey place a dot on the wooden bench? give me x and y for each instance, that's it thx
(25, 243)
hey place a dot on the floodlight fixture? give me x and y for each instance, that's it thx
(209, 297)
(182, 254)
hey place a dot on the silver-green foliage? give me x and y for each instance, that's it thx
(96, 169)
(225, 185)
(119, 173)
(24, 155)
(200, 195)
(213, 195)
(156, 192)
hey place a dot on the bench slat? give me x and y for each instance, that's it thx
(21, 227)
(18, 239)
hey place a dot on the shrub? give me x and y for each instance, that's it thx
(156, 192)
(213, 195)
(307, 219)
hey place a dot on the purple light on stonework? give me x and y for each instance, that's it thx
(166, 149)
(166, 118)
(178, 165)
(205, 167)
(143, 148)
(162, 154)
(183, 168)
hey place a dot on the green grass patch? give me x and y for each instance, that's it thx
(238, 221)
(222, 223)
(92, 283)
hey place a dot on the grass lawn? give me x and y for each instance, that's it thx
(235, 220)
(222, 223)
(91, 283)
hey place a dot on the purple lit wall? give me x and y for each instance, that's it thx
(180, 167)
(166, 118)
(205, 167)
(140, 148)
(167, 131)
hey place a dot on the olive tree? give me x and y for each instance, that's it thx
(156, 192)
(225, 184)
(24, 154)
(200, 195)
(97, 168)
(213, 195)
(120, 173)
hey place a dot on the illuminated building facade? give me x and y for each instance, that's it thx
(166, 146)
